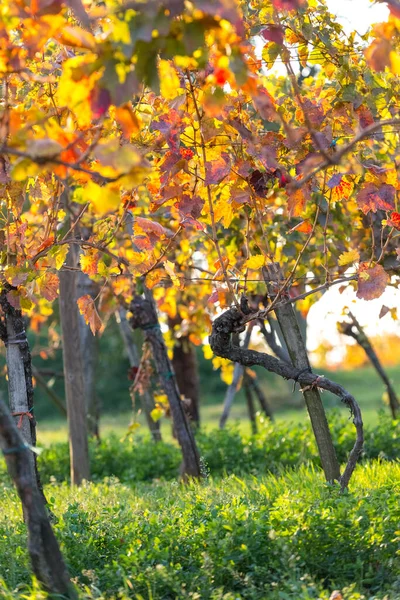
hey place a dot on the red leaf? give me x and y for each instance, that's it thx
(394, 220)
(287, 4)
(365, 116)
(100, 101)
(150, 226)
(273, 33)
(372, 281)
(372, 197)
(218, 169)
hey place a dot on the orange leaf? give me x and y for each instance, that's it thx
(89, 261)
(45, 244)
(88, 309)
(48, 286)
(372, 197)
(394, 220)
(127, 120)
(302, 227)
(76, 37)
(372, 281)
(296, 203)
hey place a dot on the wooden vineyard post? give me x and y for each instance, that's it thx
(74, 382)
(19, 370)
(287, 320)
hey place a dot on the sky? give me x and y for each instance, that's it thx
(358, 14)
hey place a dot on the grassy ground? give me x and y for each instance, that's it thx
(363, 383)
(286, 537)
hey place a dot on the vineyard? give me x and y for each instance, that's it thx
(199, 294)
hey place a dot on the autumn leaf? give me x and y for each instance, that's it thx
(100, 101)
(302, 227)
(273, 33)
(170, 86)
(297, 201)
(218, 169)
(255, 262)
(45, 244)
(89, 261)
(287, 4)
(348, 257)
(88, 310)
(394, 220)
(127, 119)
(372, 281)
(48, 286)
(384, 310)
(170, 269)
(59, 254)
(103, 199)
(374, 198)
(76, 37)
(157, 413)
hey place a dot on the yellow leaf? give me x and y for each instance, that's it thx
(157, 413)
(103, 199)
(169, 80)
(170, 268)
(255, 262)
(348, 257)
(394, 63)
(24, 168)
(59, 253)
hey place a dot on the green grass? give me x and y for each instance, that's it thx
(275, 537)
(363, 383)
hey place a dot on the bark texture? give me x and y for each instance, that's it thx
(355, 331)
(145, 317)
(184, 362)
(146, 399)
(46, 558)
(89, 354)
(20, 384)
(288, 323)
(74, 381)
(231, 322)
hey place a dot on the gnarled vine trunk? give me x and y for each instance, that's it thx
(44, 551)
(145, 318)
(146, 398)
(355, 331)
(231, 322)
